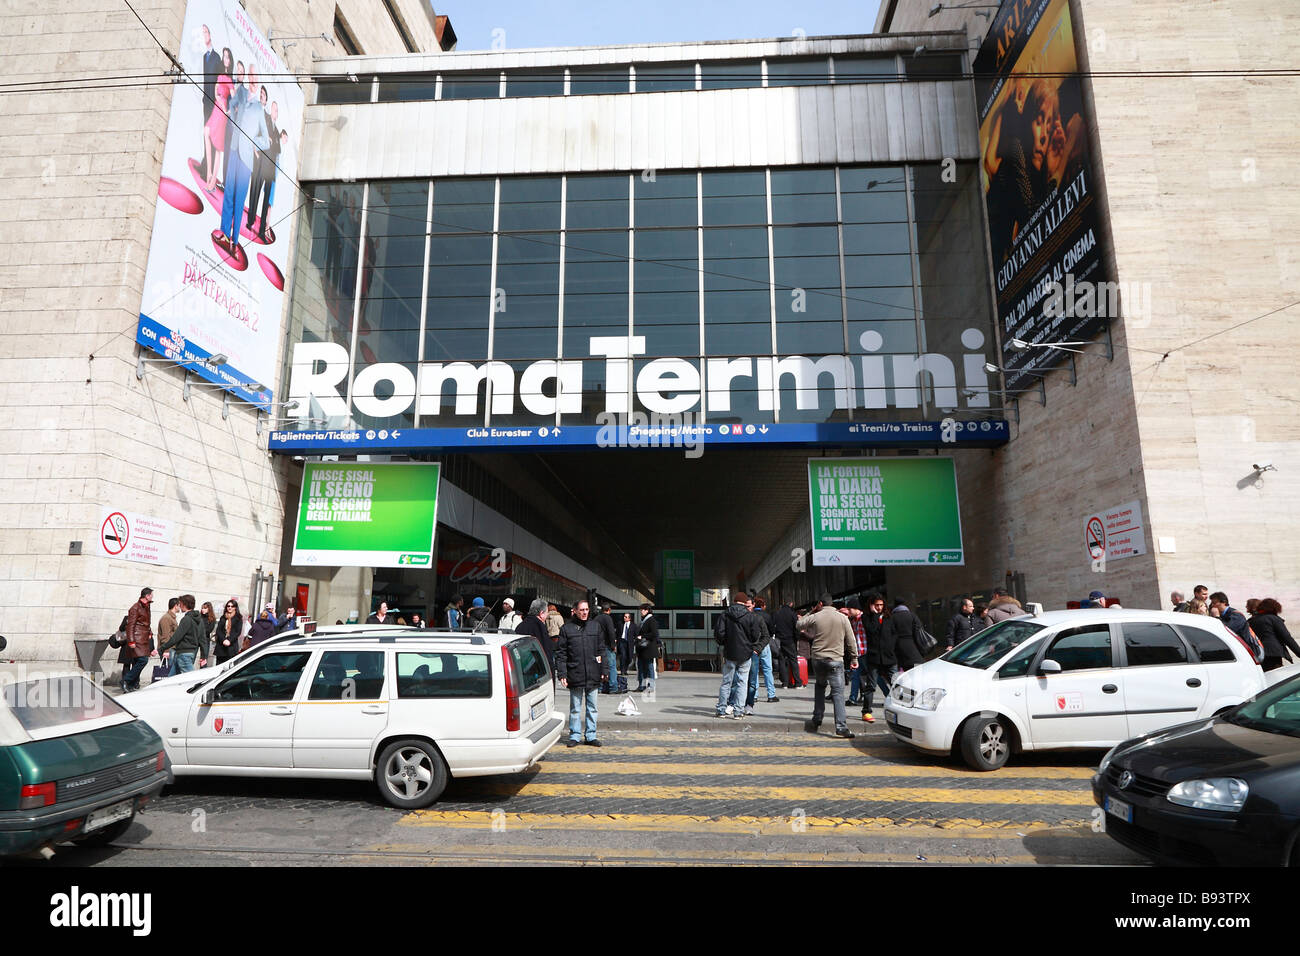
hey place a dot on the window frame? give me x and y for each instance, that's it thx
(296, 694)
(1077, 628)
(1189, 654)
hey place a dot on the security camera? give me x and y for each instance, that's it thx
(1264, 466)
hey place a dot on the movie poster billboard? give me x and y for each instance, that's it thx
(1044, 223)
(215, 280)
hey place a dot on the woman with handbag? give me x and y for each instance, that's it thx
(227, 632)
(209, 630)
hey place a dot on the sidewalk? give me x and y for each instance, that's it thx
(687, 700)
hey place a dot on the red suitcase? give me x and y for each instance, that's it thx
(803, 670)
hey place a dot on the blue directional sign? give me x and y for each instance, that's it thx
(985, 433)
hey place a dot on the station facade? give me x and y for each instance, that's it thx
(623, 294)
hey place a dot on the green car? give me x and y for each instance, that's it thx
(74, 764)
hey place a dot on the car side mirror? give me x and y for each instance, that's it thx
(208, 697)
(1049, 667)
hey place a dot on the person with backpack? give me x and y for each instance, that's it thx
(1274, 638)
(737, 634)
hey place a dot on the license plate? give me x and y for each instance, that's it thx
(538, 709)
(105, 815)
(1119, 809)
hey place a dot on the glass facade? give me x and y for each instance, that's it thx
(637, 77)
(740, 296)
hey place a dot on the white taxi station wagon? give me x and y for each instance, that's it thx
(403, 706)
(1076, 679)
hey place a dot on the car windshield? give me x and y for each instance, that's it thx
(1275, 711)
(989, 646)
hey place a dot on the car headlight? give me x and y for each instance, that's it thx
(1215, 793)
(1105, 761)
(929, 699)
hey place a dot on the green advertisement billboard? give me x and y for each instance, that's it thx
(358, 514)
(676, 578)
(884, 511)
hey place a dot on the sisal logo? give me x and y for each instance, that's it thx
(75, 909)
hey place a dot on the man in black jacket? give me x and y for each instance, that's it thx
(609, 637)
(186, 640)
(578, 662)
(647, 650)
(783, 623)
(962, 624)
(881, 663)
(737, 633)
(902, 627)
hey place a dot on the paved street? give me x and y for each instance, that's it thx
(652, 797)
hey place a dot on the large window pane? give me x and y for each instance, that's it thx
(781, 72)
(933, 66)
(734, 198)
(803, 196)
(873, 194)
(737, 317)
(595, 290)
(857, 69)
(731, 74)
(808, 316)
(606, 79)
(667, 306)
(406, 87)
(535, 83)
(531, 202)
(666, 200)
(463, 205)
(528, 304)
(471, 86)
(596, 202)
(342, 90)
(391, 285)
(665, 77)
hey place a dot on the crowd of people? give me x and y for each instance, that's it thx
(1260, 628)
(189, 634)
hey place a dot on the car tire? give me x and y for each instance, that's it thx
(410, 774)
(985, 742)
(107, 835)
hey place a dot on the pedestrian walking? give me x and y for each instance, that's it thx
(647, 650)
(578, 662)
(853, 610)
(1003, 607)
(138, 645)
(1273, 634)
(626, 639)
(609, 638)
(479, 618)
(1178, 601)
(290, 621)
(905, 629)
(186, 639)
(229, 629)
(962, 624)
(736, 632)
(760, 665)
(833, 646)
(882, 665)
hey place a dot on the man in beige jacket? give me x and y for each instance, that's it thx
(833, 648)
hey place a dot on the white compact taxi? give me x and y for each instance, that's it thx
(402, 706)
(1070, 680)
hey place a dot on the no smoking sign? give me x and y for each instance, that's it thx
(1094, 536)
(115, 533)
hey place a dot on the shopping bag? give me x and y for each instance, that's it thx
(627, 707)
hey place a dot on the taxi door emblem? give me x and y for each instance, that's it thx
(216, 724)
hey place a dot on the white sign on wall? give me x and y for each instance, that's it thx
(215, 280)
(1118, 532)
(132, 537)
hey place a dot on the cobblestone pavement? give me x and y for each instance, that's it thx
(651, 797)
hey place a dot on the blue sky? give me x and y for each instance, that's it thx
(529, 23)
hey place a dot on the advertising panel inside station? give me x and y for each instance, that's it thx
(884, 511)
(219, 255)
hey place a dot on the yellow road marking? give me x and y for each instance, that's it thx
(801, 794)
(812, 770)
(753, 825)
(643, 855)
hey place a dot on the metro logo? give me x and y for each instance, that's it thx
(319, 371)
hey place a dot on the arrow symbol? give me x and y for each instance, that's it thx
(395, 434)
(763, 429)
(556, 432)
